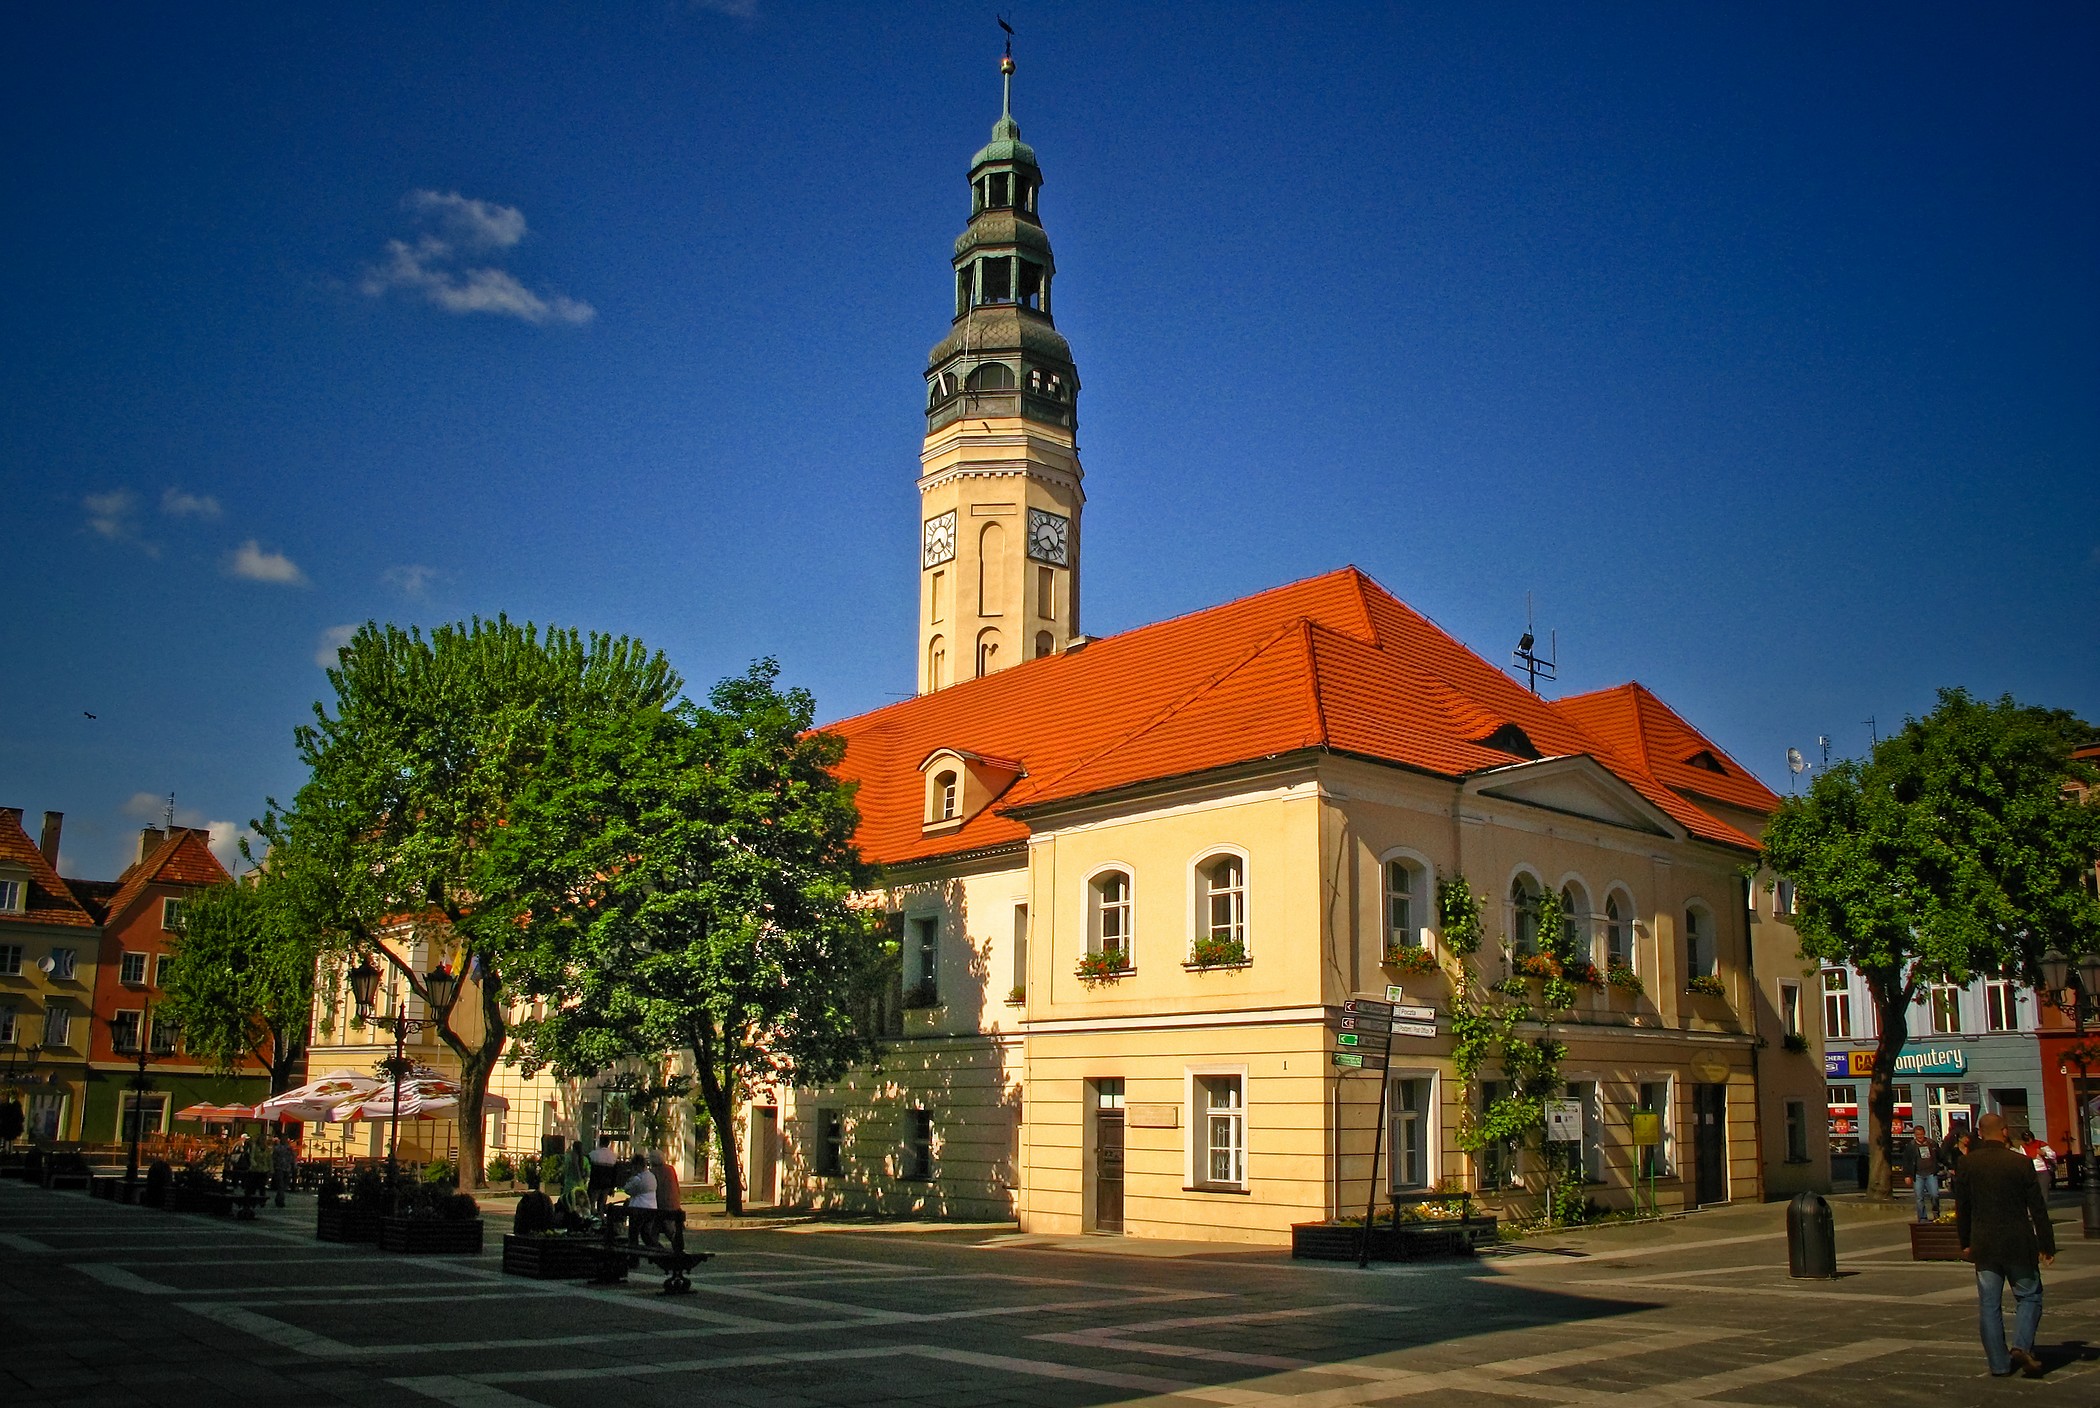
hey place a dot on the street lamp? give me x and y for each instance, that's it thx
(440, 987)
(138, 1085)
(19, 1059)
(2074, 989)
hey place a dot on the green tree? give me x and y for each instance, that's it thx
(1953, 850)
(239, 977)
(413, 778)
(690, 877)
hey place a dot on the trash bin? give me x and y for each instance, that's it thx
(1811, 1238)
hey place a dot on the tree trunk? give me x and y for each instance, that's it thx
(721, 1112)
(1892, 1010)
(476, 1065)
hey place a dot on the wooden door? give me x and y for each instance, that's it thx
(765, 1156)
(1108, 1170)
(1710, 1143)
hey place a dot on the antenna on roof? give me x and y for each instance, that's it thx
(1823, 742)
(1535, 666)
(1795, 764)
(1873, 733)
(168, 814)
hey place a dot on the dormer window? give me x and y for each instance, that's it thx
(1706, 761)
(11, 896)
(959, 785)
(947, 797)
(1512, 740)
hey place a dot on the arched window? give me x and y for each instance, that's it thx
(1575, 919)
(1221, 914)
(1108, 914)
(936, 663)
(1044, 644)
(1698, 940)
(1406, 903)
(1524, 895)
(991, 376)
(987, 652)
(991, 570)
(1618, 931)
(947, 797)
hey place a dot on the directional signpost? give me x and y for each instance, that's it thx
(1363, 1033)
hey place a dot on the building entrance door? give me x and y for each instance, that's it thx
(1710, 1144)
(765, 1156)
(1108, 1155)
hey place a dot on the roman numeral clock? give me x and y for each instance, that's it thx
(1049, 537)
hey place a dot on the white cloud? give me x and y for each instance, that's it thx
(146, 806)
(432, 265)
(478, 224)
(332, 640)
(226, 838)
(177, 503)
(251, 563)
(410, 579)
(151, 808)
(115, 516)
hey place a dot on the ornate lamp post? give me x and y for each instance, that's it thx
(440, 986)
(138, 1085)
(19, 1060)
(2074, 989)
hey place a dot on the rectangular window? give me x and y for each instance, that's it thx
(161, 1035)
(1797, 1131)
(1020, 986)
(58, 1027)
(831, 1144)
(160, 971)
(1783, 900)
(133, 972)
(171, 915)
(10, 960)
(1790, 1008)
(2001, 1006)
(1221, 1126)
(1946, 1009)
(62, 960)
(1657, 1160)
(144, 1114)
(926, 961)
(934, 588)
(7, 1026)
(124, 1031)
(1402, 923)
(1494, 1163)
(918, 1146)
(498, 1124)
(1407, 1134)
(1589, 1154)
(996, 279)
(10, 897)
(1837, 1003)
(1046, 593)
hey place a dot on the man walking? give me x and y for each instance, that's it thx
(1926, 1174)
(2003, 1223)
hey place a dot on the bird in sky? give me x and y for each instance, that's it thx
(85, 714)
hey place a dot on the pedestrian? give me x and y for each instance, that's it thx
(576, 1183)
(2003, 1223)
(284, 1164)
(641, 1206)
(2044, 1159)
(1927, 1186)
(605, 1166)
(669, 1212)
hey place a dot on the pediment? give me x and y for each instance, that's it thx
(1576, 786)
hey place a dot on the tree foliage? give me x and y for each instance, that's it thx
(689, 879)
(1953, 850)
(417, 773)
(239, 976)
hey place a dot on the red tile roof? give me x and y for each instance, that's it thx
(1333, 662)
(183, 858)
(49, 901)
(1653, 736)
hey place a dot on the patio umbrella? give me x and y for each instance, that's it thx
(313, 1101)
(426, 1098)
(208, 1113)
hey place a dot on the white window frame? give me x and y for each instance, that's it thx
(2001, 1005)
(1943, 1005)
(159, 1101)
(1700, 926)
(1201, 894)
(915, 950)
(159, 1029)
(124, 968)
(1790, 1009)
(1429, 1127)
(1668, 1081)
(1594, 1169)
(1196, 1148)
(63, 1037)
(1023, 922)
(1629, 914)
(1421, 898)
(8, 1018)
(1129, 907)
(12, 895)
(1585, 922)
(118, 1025)
(65, 962)
(170, 909)
(1513, 914)
(1839, 1000)
(10, 960)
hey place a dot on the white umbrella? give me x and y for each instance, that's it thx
(421, 1099)
(314, 1101)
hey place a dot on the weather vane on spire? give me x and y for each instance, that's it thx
(1006, 68)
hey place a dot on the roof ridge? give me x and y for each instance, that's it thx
(1175, 706)
(1312, 679)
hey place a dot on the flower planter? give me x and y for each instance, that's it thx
(430, 1236)
(204, 1201)
(340, 1222)
(1934, 1241)
(550, 1258)
(1409, 1241)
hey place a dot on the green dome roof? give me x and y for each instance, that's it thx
(1006, 146)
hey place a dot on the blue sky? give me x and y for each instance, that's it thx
(1757, 342)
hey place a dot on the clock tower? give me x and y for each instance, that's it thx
(999, 481)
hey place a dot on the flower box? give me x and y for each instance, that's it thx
(1411, 961)
(1706, 985)
(550, 1258)
(1409, 1241)
(343, 1222)
(1103, 967)
(1934, 1241)
(430, 1236)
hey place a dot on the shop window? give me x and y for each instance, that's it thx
(1658, 1160)
(141, 1114)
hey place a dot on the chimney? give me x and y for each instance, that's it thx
(48, 841)
(150, 838)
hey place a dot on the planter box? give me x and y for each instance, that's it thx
(77, 1179)
(430, 1236)
(1934, 1241)
(1410, 1241)
(200, 1200)
(550, 1258)
(340, 1222)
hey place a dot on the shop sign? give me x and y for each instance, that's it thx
(1564, 1121)
(1911, 1061)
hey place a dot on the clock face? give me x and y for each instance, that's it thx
(939, 543)
(1049, 537)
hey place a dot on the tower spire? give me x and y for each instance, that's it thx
(1006, 73)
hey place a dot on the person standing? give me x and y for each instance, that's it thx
(605, 1173)
(284, 1164)
(641, 1206)
(2003, 1222)
(1927, 1173)
(669, 1197)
